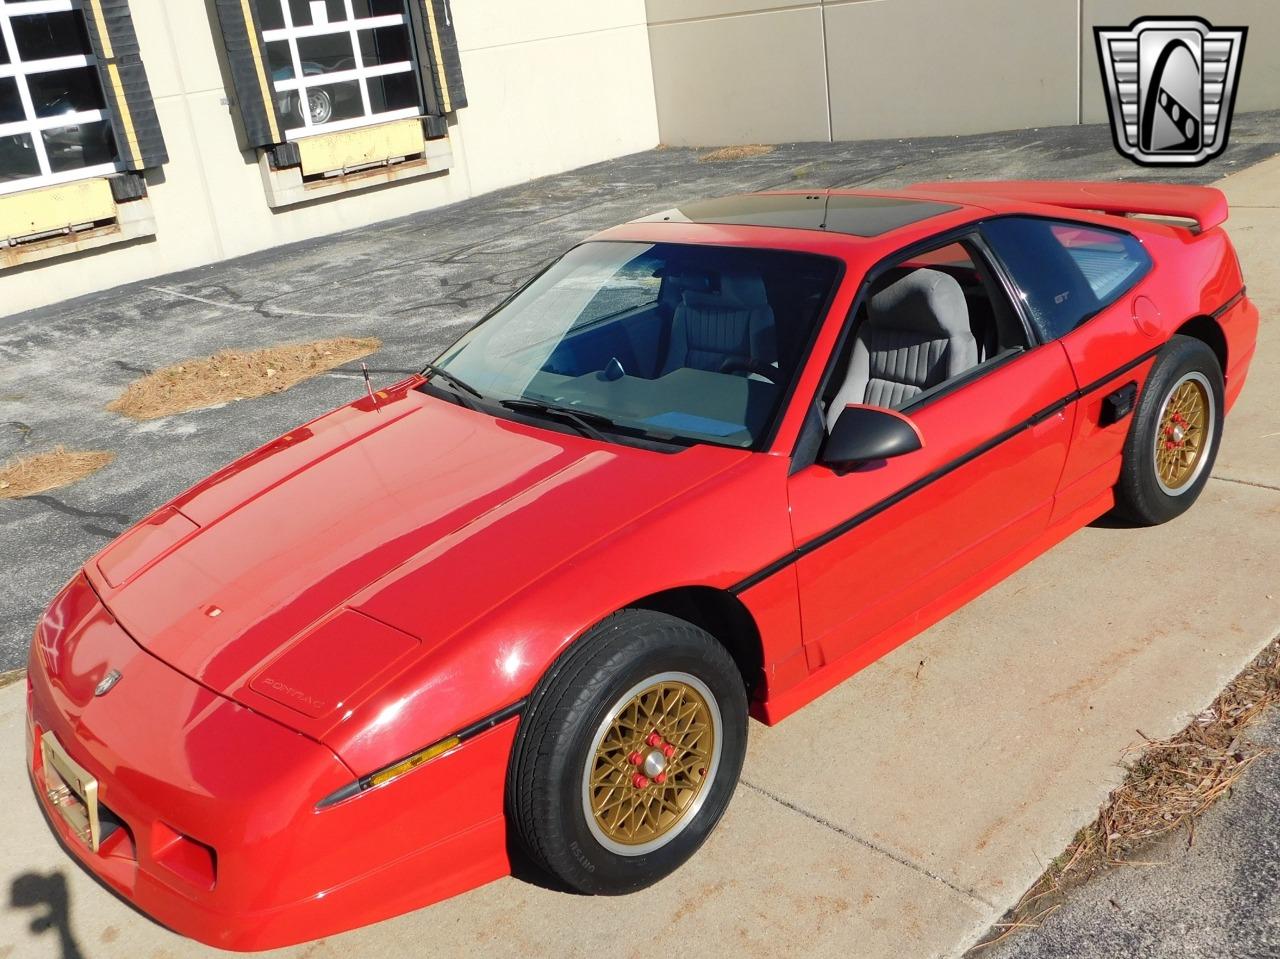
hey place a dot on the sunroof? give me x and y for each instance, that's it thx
(850, 213)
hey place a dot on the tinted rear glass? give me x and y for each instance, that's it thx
(1066, 271)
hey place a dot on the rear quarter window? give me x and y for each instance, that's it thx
(1067, 272)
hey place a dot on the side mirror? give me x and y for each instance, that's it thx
(866, 433)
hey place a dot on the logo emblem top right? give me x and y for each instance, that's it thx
(1171, 86)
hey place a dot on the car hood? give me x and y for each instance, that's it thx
(258, 582)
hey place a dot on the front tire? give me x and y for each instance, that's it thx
(1174, 438)
(629, 753)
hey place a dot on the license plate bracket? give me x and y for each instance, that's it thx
(70, 791)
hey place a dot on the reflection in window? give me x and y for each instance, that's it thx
(54, 125)
(1067, 272)
(338, 64)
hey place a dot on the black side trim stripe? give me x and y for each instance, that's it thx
(822, 539)
(484, 725)
(361, 785)
(1230, 303)
(1104, 380)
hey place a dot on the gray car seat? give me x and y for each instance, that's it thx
(712, 329)
(915, 336)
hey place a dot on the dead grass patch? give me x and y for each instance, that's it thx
(234, 375)
(1170, 784)
(12, 676)
(41, 472)
(744, 152)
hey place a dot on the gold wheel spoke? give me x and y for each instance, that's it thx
(1183, 422)
(634, 815)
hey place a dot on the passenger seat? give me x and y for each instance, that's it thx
(916, 335)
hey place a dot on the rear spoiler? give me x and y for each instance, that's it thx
(1204, 204)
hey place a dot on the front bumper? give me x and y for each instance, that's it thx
(208, 809)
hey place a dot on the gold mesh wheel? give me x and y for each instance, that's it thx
(1184, 433)
(654, 758)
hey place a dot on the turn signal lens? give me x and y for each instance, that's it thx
(411, 763)
(388, 773)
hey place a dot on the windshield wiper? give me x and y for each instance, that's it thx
(586, 423)
(460, 384)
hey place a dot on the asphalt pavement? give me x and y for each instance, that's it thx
(1215, 897)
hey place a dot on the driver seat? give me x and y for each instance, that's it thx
(710, 330)
(915, 336)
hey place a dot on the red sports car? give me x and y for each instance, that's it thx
(707, 465)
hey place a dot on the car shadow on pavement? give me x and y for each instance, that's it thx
(34, 890)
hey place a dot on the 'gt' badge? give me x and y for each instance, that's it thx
(107, 683)
(1171, 85)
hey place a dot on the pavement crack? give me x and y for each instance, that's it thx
(58, 506)
(261, 308)
(1240, 482)
(874, 847)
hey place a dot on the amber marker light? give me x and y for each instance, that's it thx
(408, 764)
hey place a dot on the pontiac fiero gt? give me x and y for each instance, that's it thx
(707, 465)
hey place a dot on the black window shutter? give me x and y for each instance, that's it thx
(432, 23)
(250, 74)
(124, 83)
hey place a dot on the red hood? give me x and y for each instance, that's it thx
(249, 581)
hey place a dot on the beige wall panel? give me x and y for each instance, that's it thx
(232, 197)
(529, 97)
(553, 105)
(1259, 79)
(665, 11)
(185, 236)
(742, 79)
(935, 67)
(152, 26)
(485, 23)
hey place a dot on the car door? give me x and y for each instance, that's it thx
(1081, 287)
(886, 547)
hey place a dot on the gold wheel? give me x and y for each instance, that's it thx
(654, 759)
(1184, 433)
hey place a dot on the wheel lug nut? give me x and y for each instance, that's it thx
(660, 778)
(639, 781)
(668, 750)
(654, 739)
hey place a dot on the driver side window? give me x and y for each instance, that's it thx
(923, 323)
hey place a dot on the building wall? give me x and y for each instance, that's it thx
(769, 71)
(533, 73)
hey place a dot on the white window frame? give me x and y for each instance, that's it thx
(33, 125)
(300, 84)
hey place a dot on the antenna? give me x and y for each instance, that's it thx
(367, 385)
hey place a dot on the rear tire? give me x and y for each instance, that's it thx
(1173, 440)
(628, 753)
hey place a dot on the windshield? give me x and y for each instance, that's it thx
(668, 341)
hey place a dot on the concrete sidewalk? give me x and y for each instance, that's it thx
(1218, 896)
(898, 816)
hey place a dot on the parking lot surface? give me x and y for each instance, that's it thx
(898, 816)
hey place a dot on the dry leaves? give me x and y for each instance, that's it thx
(1168, 786)
(234, 375)
(744, 152)
(41, 472)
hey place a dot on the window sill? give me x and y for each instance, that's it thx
(71, 218)
(355, 160)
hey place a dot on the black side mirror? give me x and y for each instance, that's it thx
(866, 433)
